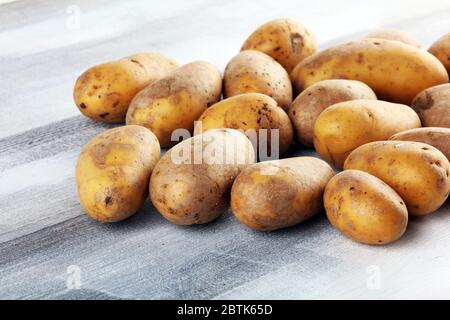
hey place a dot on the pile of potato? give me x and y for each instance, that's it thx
(376, 107)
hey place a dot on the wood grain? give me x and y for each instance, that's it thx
(43, 229)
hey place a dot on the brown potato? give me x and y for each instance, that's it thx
(255, 72)
(434, 136)
(364, 208)
(395, 71)
(192, 181)
(277, 194)
(313, 100)
(113, 171)
(418, 172)
(441, 50)
(343, 127)
(176, 101)
(251, 113)
(104, 92)
(285, 40)
(433, 106)
(394, 34)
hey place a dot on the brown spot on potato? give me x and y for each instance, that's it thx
(138, 63)
(108, 200)
(83, 105)
(296, 40)
(360, 58)
(428, 103)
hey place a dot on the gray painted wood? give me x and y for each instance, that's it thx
(44, 232)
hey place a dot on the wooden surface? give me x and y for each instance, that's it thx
(44, 234)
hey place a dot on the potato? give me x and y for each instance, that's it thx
(394, 34)
(254, 71)
(434, 136)
(441, 50)
(311, 102)
(285, 40)
(277, 194)
(191, 183)
(113, 171)
(176, 101)
(433, 106)
(396, 71)
(364, 208)
(345, 126)
(251, 113)
(418, 172)
(104, 92)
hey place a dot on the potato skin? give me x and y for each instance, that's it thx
(397, 72)
(254, 71)
(313, 100)
(434, 136)
(394, 34)
(433, 106)
(277, 194)
(441, 50)
(345, 126)
(196, 190)
(176, 101)
(418, 172)
(250, 112)
(364, 208)
(113, 171)
(104, 92)
(285, 40)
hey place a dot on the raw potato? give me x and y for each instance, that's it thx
(310, 103)
(441, 50)
(113, 171)
(364, 208)
(285, 40)
(394, 34)
(104, 92)
(254, 71)
(396, 71)
(345, 126)
(277, 194)
(191, 183)
(418, 172)
(251, 112)
(433, 106)
(176, 101)
(434, 136)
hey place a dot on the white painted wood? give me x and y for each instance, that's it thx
(43, 230)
